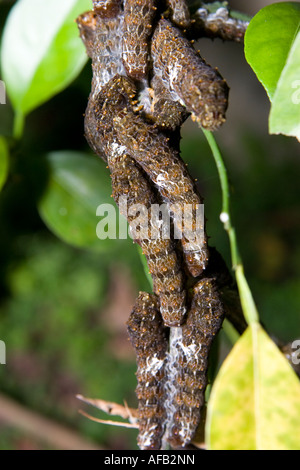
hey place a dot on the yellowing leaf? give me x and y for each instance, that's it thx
(255, 400)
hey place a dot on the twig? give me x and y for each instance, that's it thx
(112, 408)
(109, 421)
(41, 428)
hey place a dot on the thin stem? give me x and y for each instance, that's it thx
(230, 332)
(248, 305)
(221, 170)
(247, 302)
(225, 214)
(19, 122)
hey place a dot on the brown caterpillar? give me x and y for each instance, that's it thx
(162, 259)
(149, 339)
(101, 32)
(188, 78)
(153, 151)
(103, 40)
(87, 25)
(173, 381)
(167, 278)
(139, 16)
(129, 180)
(188, 362)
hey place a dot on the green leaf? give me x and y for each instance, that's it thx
(255, 399)
(285, 110)
(4, 161)
(272, 48)
(268, 40)
(41, 50)
(78, 184)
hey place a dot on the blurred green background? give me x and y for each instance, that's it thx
(63, 309)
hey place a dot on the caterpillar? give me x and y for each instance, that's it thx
(167, 278)
(87, 25)
(154, 152)
(129, 180)
(162, 259)
(101, 32)
(191, 81)
(139, 16)
(149, 339)
(188, 362)
(172, 370)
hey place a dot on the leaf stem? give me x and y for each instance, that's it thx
(248, 305)
(230, 332)
(19, 122)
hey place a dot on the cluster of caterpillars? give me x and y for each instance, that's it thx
(147, 79)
